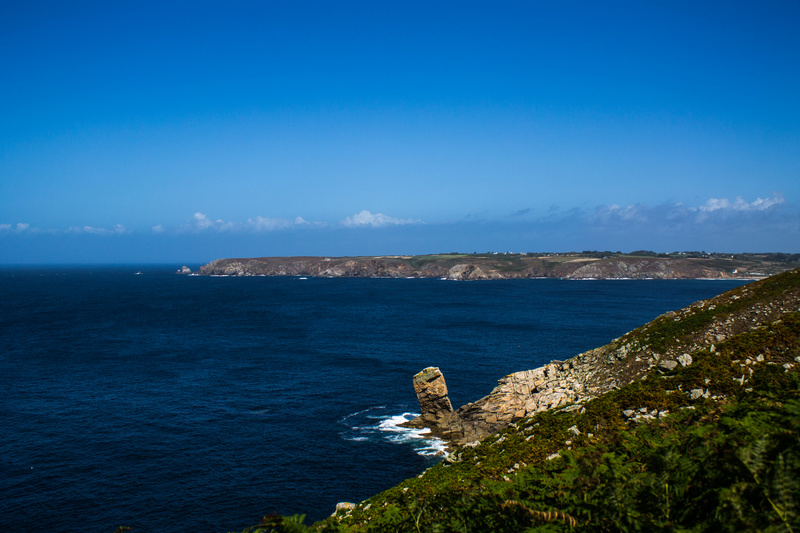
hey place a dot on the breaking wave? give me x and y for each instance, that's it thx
(376, 424)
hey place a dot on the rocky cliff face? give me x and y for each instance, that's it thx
(644, 268)
(664, 343)
(314, 266)
(463, 267)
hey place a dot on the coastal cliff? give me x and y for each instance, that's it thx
(505, 266)
(690, 422)
(663, 344)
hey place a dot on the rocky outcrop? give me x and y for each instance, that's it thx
(644, 269)
(663, 344)
(465, 272)
(372, 268)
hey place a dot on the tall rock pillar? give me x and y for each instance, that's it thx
(432, 394)
(437, 411)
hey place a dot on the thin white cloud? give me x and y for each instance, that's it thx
(158, 228)
(365, 218)
(16, 228)
(97, 231)
(617, 213)
(201, 222)
(759, 204)
(118, 229)
(661, 216)
(260, 223)
(713, 223)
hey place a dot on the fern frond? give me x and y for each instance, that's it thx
(542, 516)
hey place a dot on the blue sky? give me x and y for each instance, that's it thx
(187, 131)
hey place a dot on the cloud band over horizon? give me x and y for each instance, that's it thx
(717, 224)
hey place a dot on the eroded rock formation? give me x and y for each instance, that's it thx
(431, 392)
(436, 410)
(592, 373)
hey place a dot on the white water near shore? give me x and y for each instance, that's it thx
(376, 424)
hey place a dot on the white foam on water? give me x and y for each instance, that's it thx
(418, 438)
(392, 423)
(351, 419)
(369, 425)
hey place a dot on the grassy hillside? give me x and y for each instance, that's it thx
(711, 446)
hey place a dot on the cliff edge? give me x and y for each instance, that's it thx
(689, 423)
(665, 343)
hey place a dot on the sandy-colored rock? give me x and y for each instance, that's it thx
(431, 390)
(595, 372)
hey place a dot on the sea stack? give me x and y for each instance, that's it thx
(431, 391)
(437, 411)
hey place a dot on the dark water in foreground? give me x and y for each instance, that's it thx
(173, 403)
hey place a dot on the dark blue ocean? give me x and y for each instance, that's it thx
(182, 403)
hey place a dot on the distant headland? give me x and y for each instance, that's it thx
(486, 266)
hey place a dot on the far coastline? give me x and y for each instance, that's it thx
(587, 265)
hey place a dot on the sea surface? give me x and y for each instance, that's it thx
(187, 403)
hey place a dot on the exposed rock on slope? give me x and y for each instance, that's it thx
(664, 343)
(710, 446)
